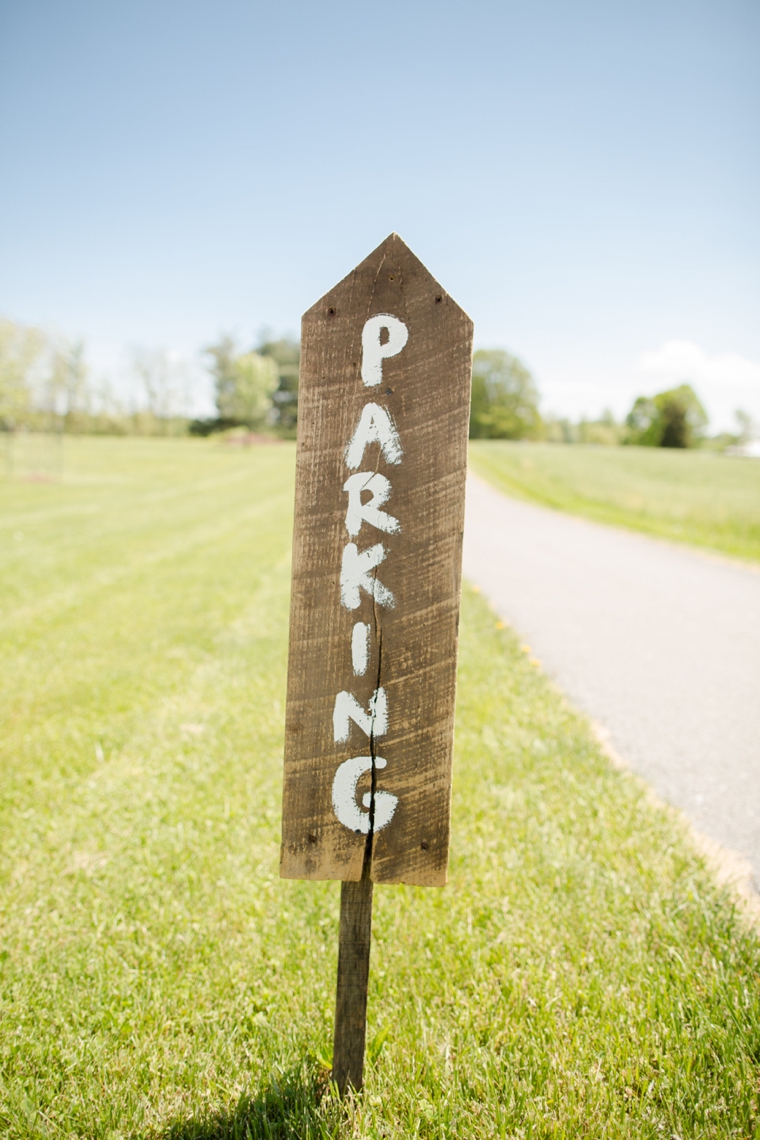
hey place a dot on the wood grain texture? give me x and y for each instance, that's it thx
(353, 976)
(412, 654)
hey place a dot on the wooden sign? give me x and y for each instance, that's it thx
(384, 400)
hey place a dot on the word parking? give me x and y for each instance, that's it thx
(359, 581)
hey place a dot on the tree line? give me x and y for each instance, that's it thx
(257, 389)
(505, 405)
(45, 384)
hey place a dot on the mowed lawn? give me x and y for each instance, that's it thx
(580, 976)
(699, 497)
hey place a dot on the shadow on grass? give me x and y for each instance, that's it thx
(299, 1106)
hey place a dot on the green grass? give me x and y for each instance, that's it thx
(699, 497)
(581, 974)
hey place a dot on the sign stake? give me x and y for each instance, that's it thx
(353, 975)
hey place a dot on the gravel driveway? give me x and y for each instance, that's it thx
(658, 643)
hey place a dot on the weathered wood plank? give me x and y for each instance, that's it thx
(423, 409)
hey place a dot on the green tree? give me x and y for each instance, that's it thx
(245, 383)
(674, 418)
(504, 398)
(746, 428)
(286, 353)
(23, 352)
(256, 379)
(71, 392)
(222, 368)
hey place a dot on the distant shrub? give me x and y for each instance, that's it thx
(504, 398)
(286, 353)
(604, 431)
(256, 389)
(674, 418)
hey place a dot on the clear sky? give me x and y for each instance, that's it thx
(581, 177)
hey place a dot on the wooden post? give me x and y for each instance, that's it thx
(353, 976)
(384, 398)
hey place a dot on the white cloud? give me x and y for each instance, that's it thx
(723, 381)
(682, 360)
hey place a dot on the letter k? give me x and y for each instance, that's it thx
(355, 575)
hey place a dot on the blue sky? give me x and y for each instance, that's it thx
(582, 178)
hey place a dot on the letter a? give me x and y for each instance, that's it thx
(355, 575)
(375, 426)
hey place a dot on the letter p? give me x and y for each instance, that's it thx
(373, 352)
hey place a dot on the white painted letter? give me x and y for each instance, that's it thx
(373, 352)
(355, 575)
(347, 708)
(360, 647)
(358, 511)
(344, 796)
(375, 426)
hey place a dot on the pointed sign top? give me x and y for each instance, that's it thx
(394, 270)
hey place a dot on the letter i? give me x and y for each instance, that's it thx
(360, 647)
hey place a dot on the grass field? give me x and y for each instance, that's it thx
(698, 497)
(580, 976)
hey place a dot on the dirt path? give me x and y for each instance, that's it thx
(659, 644)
